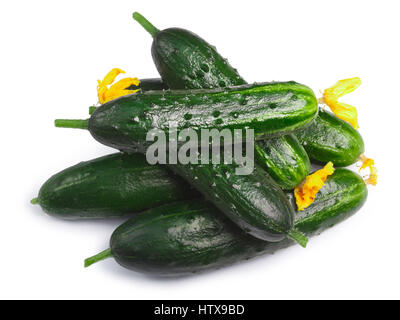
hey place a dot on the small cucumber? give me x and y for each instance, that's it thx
(185, 61)
(191, 236)
(110, 186)
(268, 108)
(284, 159)
(328, 138)
(254, 202)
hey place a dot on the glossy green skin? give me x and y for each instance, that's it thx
(254, 202)
(284, 159)
(185, 61)
(111, 186)
(343, 194)
(268, 108)
(329, 138)
(192, 236)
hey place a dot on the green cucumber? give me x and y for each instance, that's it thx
(328, 138)
(185, 61)
(254, 201)
(191, 236)
(110, 186)
(284, 159)
(268, 108)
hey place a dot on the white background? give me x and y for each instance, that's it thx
(52, 53)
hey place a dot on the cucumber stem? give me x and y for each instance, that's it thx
(35, 201)
(145, 24)
(297, 236)
(98, 257)
(70, 123)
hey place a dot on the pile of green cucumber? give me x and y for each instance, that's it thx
(186, 218)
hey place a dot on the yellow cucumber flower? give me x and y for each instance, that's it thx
(106, 91)
(342, 110)
(306, 191)
(373, 172)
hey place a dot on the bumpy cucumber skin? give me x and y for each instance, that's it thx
(185, 61)
(329, 138)
(254, 202)
(192, 236)
(268, 108)
(180, 239)
(342, 195)
(111, 186)
(284, 159)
